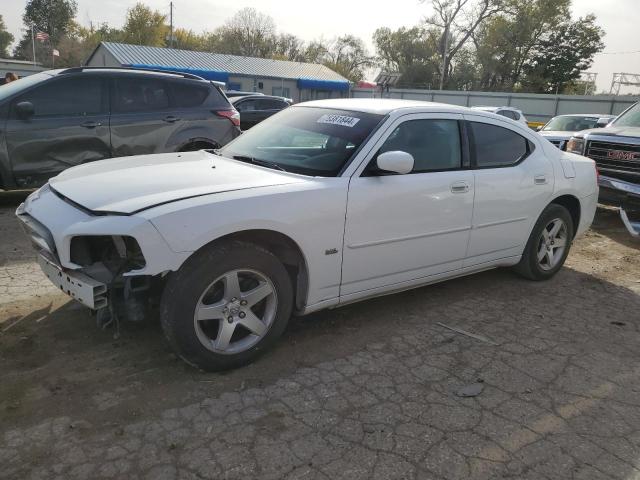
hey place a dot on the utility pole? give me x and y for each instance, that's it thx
(33, 43)
(170, 24)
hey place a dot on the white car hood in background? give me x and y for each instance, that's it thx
(130, 184)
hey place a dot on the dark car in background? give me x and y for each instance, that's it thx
(255, 108)
(60, 118)
(561, 128)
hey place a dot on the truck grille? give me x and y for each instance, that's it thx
(616, 160)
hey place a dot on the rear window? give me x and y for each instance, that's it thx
(307, 140)
(188, 95)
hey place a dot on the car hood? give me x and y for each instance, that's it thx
(612, 131)
(128, 185)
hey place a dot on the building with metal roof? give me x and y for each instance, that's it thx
(296, 80)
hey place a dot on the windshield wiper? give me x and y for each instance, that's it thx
(258, 161)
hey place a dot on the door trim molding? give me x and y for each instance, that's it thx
(374, 243)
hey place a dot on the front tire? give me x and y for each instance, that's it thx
(226, 305)
(548, 245)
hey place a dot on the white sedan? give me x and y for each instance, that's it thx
(325, 203)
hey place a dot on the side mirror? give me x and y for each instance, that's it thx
(603, 122)
(395, 161)
(25, 109)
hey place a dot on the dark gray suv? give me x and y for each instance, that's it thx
(54, 120)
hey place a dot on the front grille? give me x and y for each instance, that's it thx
(615, 164)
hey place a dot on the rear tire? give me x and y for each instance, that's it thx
(226, 305)
(548, 245)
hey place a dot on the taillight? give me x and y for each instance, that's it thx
(232, 115)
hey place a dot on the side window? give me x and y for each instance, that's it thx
(497, 146)
(246, 106)
(186, 95)
(434, 144)
(507, 113)
(269, 104)
(67, 97)
(140, 95)
(516, 115)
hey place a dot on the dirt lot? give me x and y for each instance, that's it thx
(367, 391)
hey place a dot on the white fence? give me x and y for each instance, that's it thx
(536, 107)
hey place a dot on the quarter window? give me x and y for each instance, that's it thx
(434, 144)
(140, 95)
(497, 146)
(66, 97)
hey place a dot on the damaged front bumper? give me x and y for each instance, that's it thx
(625, 196)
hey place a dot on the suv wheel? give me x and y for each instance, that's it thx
(226, 305)
(548, 245)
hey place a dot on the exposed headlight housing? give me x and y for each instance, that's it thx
(119, 254)
(576, 145)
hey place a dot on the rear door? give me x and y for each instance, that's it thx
(70, 126)
(142, 119)
(249, 113)
(513, 183)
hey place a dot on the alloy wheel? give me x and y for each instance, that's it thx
(235, 311)
(552, 244)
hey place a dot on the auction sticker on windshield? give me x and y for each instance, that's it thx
(343, 120)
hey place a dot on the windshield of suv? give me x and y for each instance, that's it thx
(631, 118)
(307, 140)
(8, 89)
(571, 123)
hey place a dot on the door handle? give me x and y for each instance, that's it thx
(540, 179)
(459, 187)
(170, 119)
(91, 124)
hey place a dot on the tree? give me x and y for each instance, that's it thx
(564, 55)
(249, 33)
(289, 47)
(348, 56)
(505, 43)
(412, 52)
(54, 17)
(5, 39)
(144, 26)
(187, 40)
(458, 20)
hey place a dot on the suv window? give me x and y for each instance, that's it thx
(506, 113)
(140, 94)
(186, 95)
(434, 144)
(67, 97)
(497, 146)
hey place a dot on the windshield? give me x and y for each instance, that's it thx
(630, 118)
(306, 140)
(8, 89)
(571, 124)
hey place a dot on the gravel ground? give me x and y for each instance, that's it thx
(373, 390)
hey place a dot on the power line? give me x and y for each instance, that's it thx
(618, 53)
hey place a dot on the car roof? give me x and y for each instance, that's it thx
(599, 115)
(126, 70)
(381, 106)
(489, 108)
(259, 96)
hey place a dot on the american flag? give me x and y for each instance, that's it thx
(42, 36)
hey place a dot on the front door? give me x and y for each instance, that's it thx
(514, 181)
(404, 228)
(69, 126)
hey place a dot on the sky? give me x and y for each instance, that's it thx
(331, 18)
